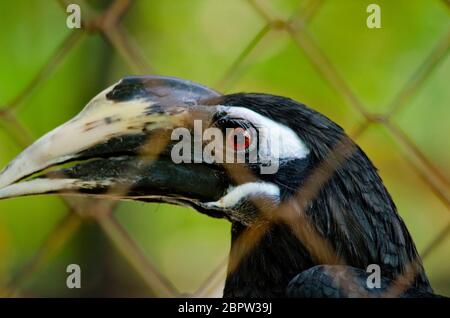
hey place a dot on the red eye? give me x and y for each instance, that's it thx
(239, 138)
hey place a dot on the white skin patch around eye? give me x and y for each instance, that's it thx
(236, 194)
(278, 141)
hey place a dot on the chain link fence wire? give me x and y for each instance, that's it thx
(108, 24)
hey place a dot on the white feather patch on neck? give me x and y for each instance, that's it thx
(236, 194)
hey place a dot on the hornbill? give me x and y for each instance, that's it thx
(343, 218)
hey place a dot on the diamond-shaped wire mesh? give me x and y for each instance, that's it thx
(273, 21)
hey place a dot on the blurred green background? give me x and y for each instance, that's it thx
(49, 72)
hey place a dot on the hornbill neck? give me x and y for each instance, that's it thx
(265, 269)
(354, 213)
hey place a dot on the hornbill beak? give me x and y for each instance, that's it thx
(118, 146)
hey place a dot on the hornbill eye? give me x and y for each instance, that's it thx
(239, 138)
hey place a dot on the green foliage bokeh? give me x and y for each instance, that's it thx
(199, 40)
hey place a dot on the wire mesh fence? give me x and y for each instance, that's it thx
(108, 24)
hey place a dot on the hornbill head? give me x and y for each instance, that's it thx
(238, 156)
(161, 139)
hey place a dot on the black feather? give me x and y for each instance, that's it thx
(353, 211)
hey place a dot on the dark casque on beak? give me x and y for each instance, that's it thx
(103, 144)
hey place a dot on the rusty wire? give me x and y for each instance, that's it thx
(108, 25)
